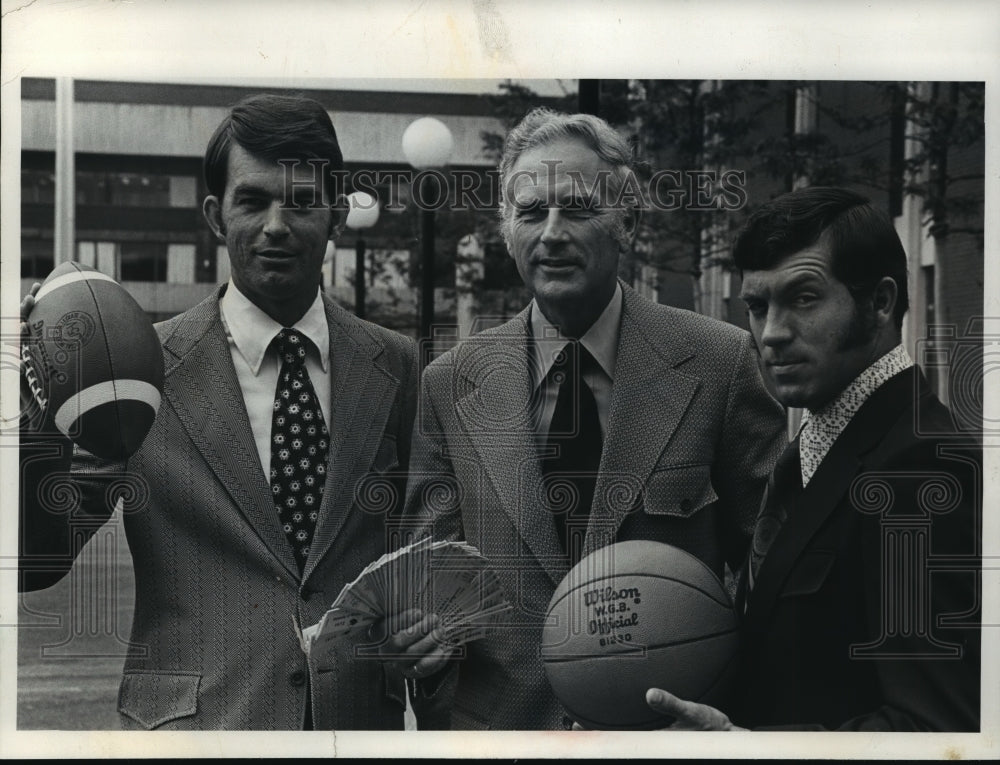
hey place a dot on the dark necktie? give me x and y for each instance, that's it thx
(783, 486)
(575, 432)
(299, 446)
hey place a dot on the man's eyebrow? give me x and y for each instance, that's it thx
(794, 283)
(249, 188)
(801, 280)
(527, 204)
(567, 201)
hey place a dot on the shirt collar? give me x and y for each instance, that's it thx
(601, 339)
(865, 384)
(821, 428)
(253, 330)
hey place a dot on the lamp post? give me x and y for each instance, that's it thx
(362, 213)
(427, 144)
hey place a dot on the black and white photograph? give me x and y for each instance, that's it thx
(389, 380)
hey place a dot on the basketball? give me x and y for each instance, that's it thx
(632, 616)
(93, 361)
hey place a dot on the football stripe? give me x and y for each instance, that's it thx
(102, 393)
(76, 276)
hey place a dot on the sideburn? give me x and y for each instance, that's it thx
(863, 326)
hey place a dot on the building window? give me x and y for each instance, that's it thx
(38, 187)
(37, 260)
(122, 189)
(100, 188)
(142, 261)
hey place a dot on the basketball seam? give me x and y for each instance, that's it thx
(709, 595)
(576, 657)
(719, 677)
(640, 726)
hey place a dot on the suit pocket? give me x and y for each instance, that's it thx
(809, 573)
(153, 699)
(679, 491)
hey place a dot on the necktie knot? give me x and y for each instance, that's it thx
(292, 346)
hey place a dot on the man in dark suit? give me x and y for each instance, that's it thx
(244, 522)
(593, 416)
(861, 593)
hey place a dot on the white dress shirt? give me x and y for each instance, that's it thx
(602, 342)
(250, 332)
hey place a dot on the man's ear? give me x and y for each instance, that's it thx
(213, 214)
(338, 217)
(631, 218)
(884, 300)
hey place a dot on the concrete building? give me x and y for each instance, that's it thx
(139, 185)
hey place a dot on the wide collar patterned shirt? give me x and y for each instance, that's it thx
(602, 342)
(250, 332)
(821, 428)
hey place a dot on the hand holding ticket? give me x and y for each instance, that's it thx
(439, 593)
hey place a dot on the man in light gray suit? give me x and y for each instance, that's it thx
(244, 520)
(593, 416)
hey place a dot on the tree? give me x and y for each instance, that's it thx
(699, 129)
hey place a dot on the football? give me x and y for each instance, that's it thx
(93, 361)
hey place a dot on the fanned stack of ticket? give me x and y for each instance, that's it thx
(450, 579)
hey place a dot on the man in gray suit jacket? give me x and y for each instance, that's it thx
(593, 416)
(242, 520)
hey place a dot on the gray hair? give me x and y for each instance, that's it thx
(543, 125)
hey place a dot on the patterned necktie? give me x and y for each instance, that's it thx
(299, 446)
(783, 486)
(575, 431)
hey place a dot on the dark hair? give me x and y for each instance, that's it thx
(864, 246)
(275, 127)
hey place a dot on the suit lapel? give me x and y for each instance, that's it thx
(362, 393)
(828, 488)
(493, 406)
(649, 397)
(202, 387)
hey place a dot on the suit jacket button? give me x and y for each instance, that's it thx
(297, 678)
(685, 505)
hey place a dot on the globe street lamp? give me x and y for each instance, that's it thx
(362, 213)
(427, 144)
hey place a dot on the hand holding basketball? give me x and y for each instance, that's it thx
(632, 614)
(688, 715)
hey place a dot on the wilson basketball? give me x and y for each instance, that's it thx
(633, 616)
(93, 361)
